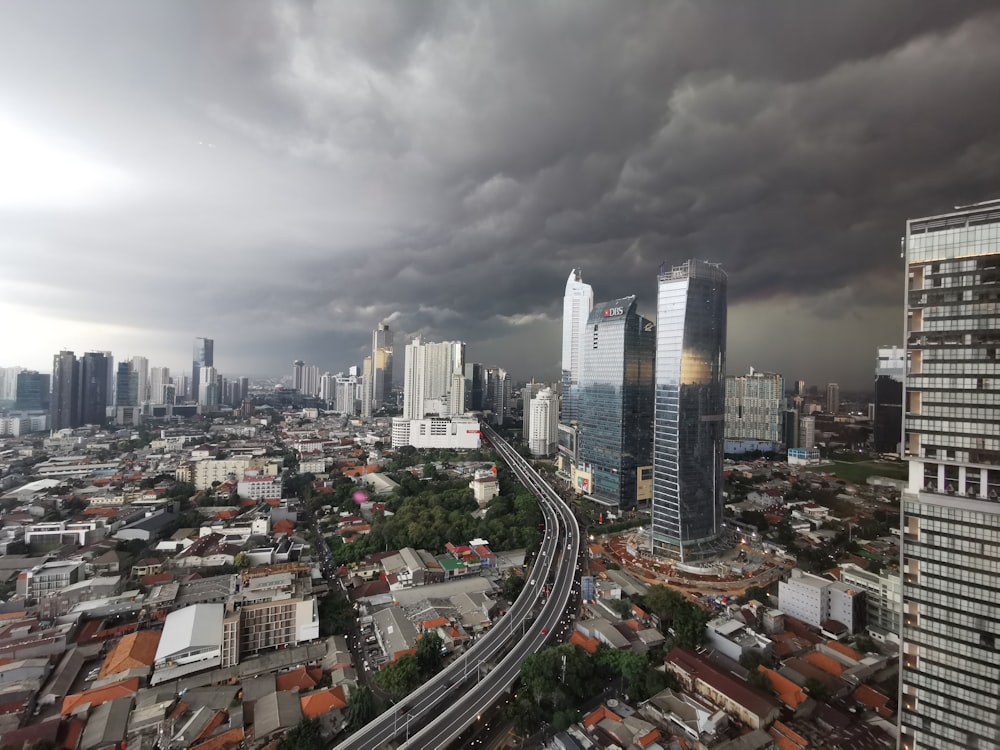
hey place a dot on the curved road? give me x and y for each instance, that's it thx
(471, 704)
(557, 559)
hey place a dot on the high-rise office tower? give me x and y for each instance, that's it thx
(887, 422)
(124, 392)
(754, 407)
(429, 378)
(140, 368)
(208, 391)
(499, 387)
(93, 388)
(800, 388)
(310, 380)
(528, 392)
(790, 428)
(366, 387)
(8, 382)
(950, 664)
(378, 383)
(298, 368)
(832, 398)
(807, 432)
(688, 439)
(204, 356)
(473, 386)
(578, 301)
(64, 405)
(159, 379)
(32, 392)
(542, 416)
(615, 407)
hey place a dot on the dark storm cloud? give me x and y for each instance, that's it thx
(299, 171)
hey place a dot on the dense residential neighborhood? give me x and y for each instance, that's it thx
(222, 583)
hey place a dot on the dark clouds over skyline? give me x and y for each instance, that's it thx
(282, 176)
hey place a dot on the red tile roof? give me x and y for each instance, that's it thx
(134, 651)
(599, 714)
(95, 697)
(587, 644)
(297, 679)
(320, 702)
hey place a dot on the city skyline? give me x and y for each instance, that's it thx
(364, 166)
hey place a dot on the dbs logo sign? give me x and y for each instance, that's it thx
(610, 312)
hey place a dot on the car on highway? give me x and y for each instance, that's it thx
(545, 630)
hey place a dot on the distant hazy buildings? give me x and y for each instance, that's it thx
(755, 405)
(950, 513)
(578, 301)
(887, 422)
(615, 405)
(690, 408)
(204, 356)
(832, 398)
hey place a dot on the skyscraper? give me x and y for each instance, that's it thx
(500, 393)
(298, 368)
(208, 393)
(429, 378)
(832, 398)
(950, 664)
(379, 384)
(754, 406)
(93, 388)
(204, 356)
(124, 392)
(473, 386)
(890, 370)
(542, 418)
(578, 300)
(159, 379)
(690, 408)
(32, 392)
(65, 403)
(615, 407)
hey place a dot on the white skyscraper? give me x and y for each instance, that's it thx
(159, 378)
(140, 366)
(428, 378)
(577, 304)
(208, 391)
(543, 420)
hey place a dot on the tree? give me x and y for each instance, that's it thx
(336, 616)
(429, 655)
(360, 708)
(756, 593)
(400, 678)
(512, 586)
(241, 560)
(308, 735)
(816, 689)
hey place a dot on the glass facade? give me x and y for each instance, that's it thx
(203, 356)
(615, 408)
(689, 410)
(951, 517)
(578, 301)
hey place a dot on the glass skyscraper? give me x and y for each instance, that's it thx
(204, 356)
(578, 301)
(690, 395)
(615, 407)
(950, 522)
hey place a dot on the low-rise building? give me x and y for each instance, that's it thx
(698, 675)
(816, 601)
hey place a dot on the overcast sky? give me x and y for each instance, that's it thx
(282, 176)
